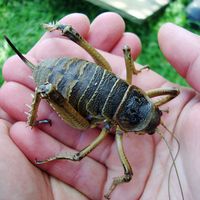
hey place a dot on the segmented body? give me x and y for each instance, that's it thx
(96, 93)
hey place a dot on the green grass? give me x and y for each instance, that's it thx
(21, 20)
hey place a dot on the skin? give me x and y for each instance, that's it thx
(90, 178)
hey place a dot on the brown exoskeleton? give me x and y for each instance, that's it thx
(86, 94)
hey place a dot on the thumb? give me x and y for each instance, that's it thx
(182, 50)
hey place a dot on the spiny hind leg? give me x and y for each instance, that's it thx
(73, 35)
(169, 92)
(81, 154)
(130, 65)
(32, 114)
(127, 168)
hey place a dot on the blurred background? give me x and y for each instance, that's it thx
(21, 20)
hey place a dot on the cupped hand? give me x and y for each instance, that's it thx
(91, 177)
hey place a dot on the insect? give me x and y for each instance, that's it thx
(86, 94)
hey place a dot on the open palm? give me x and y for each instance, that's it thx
(91, 177)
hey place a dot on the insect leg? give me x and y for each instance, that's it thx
(130, 65)
(32, 115)
(169, 92)
(127, 168)
(73, 35)
(81, 154)
(63, 108)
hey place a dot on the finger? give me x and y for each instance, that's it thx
(5, 126)
(132, 41)
(117, 62)
(63, 191)
(105, 31)
(16, 70)
(146, 80)
(15, 105)
(5, 116)
(182, 48)
(58, 47)
(13, 97)
(82, 175)
(79, 21)
(12, 173)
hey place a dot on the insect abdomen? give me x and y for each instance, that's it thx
(114, 98)
(99, 97)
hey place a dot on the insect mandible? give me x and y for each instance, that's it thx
(86, 94)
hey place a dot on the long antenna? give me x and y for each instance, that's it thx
(173, 159)
(27, 62)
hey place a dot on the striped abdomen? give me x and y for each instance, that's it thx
(96, 93)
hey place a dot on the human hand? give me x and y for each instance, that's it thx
(93, 175)
(38, 184)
